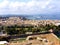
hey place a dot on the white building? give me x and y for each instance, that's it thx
(3, 42)
(57, 24)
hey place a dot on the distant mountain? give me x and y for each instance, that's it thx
(36, 17)
(7, 16)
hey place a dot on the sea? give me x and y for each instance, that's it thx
(37, 17)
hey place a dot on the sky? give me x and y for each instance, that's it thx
(29, 7)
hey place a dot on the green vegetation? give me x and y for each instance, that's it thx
(17, 30)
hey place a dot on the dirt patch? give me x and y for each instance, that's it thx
(53, 40)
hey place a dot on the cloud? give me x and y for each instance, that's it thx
(3, 4)
(29, 7)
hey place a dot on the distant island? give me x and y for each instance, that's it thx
(36, 17)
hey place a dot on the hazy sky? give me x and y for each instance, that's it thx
(29, 6)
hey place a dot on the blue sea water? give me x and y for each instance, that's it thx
(43, 17)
